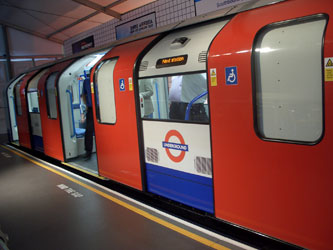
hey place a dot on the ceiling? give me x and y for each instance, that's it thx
(59, 20)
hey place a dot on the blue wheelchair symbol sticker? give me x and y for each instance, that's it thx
(122, 84)
(231, 77)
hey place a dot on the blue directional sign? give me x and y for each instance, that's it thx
(122, 84)
(231, 77)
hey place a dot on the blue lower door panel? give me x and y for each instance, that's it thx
(38, 143)
(193, 190)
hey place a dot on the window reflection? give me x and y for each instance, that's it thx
(146, 92)
(179, 97)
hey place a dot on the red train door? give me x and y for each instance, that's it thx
(22, 111)
(49, 111)
(33, 110)
(114, 106)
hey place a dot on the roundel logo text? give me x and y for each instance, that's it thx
(181, 146)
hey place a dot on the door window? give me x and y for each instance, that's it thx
(51, 96)
(179, 97)
(33, 102)
(104, 92)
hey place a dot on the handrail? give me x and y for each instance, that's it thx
(158, 100)
(80, 91)
(188, 108)
(12, 97)
(71, 102)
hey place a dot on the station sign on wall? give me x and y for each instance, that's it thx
(136, 26)
(205, 6)
(83, 44)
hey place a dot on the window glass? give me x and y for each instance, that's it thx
(288, 81)
(179, 97)
(104, 92)
(33, 102)
(51, 96)
(18, 99)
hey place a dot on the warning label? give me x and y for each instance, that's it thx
(130, 83)
(213, 77)
(329, 69)
(92, 87)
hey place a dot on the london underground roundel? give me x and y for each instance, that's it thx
(170, 146)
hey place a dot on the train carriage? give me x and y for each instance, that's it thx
(228, 113)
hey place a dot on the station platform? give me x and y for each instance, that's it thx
(46, 207)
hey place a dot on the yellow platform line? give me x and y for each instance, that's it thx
(84, 171)
(145, 214)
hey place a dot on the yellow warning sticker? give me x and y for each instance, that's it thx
(213, 77)
(130, 83)
(329, 69)
(92, 87)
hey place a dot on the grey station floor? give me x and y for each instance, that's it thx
(45, 207)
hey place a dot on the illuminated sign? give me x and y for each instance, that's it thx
(83, 44)
(171, 61)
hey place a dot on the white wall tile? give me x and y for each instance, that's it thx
(167, 12)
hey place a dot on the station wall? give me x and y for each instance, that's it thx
(28, 54)
(167, 12)
(26, 51)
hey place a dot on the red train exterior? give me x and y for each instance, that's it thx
(277, 187)
(22, 119)
(51, 127)
(117, 145)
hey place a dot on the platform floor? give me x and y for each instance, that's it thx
(46, 207)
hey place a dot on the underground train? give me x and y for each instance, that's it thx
(230, 113)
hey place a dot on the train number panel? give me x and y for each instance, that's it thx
(178, 162)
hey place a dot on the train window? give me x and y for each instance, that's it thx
(104, 92)
(288, 78)
(33, 102)
(51, 96)
(179, 97)
(18, 99)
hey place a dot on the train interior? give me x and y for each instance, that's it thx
(12, 110)
(72, 108)
(164, 90)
